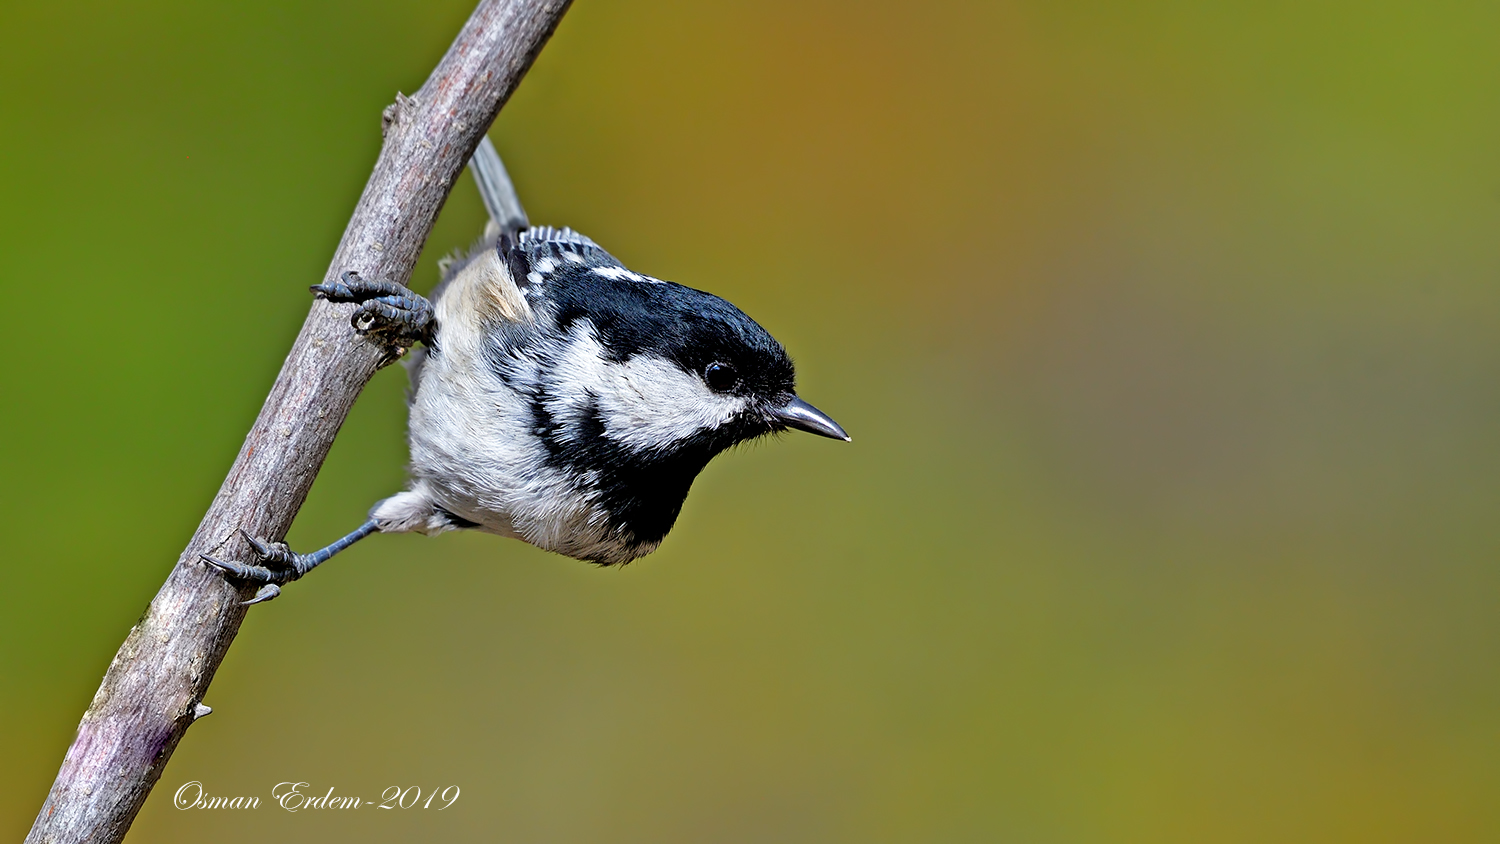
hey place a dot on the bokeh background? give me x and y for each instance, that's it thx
(1166, 332)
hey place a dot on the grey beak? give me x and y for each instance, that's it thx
(804, 417)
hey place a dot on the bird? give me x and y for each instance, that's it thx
(557, 397)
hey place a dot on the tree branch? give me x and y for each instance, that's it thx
(155, 685)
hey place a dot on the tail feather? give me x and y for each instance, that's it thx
(495, 188)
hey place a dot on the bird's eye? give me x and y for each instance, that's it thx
(719, 376)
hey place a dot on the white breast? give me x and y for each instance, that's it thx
(473, 451)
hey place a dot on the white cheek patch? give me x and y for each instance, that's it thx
(654, 403)
(645, 402)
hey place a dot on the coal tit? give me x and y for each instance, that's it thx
(561, 398)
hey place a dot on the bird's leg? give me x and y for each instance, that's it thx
(279, 564)
(386, 309)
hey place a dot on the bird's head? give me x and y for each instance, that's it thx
(649, 380)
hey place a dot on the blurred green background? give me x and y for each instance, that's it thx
(1166, 332)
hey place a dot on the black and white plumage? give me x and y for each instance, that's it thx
(572, 409)
(561, 398)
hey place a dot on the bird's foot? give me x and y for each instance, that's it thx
(278, 565)
(387, 311)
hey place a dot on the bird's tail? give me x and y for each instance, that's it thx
(496, 189)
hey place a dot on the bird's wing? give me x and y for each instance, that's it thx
(542, 253)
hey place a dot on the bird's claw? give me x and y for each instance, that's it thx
(279, 565)
(263, 594)
(386, 309)
(276, 553)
